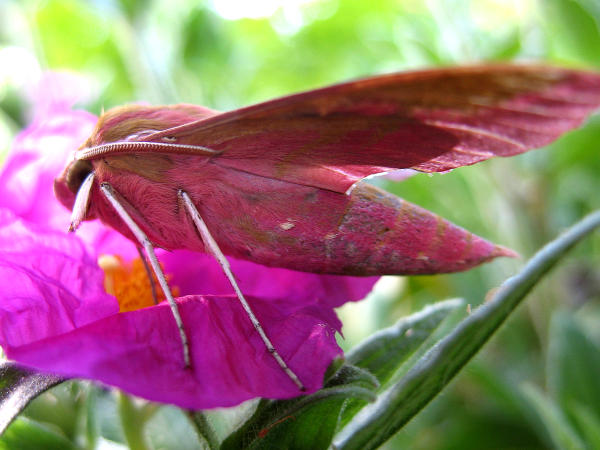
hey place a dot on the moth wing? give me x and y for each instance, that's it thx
(430, 121)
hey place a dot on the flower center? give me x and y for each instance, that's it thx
(130, 283)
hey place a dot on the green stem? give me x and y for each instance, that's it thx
(204, 429)
(133, 423)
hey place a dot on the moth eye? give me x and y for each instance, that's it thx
(78, 171)
(169, 139)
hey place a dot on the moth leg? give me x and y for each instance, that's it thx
(213, 247)
(147, 268)
(109, 193)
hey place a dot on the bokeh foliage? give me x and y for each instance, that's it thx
(187, 51)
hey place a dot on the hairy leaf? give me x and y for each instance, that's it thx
(394, 408)
(18, 387)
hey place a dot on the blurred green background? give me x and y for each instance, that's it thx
(540, 376)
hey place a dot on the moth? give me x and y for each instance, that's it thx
(279, 182)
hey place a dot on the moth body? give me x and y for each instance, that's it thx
(367, 232)
(272, 181)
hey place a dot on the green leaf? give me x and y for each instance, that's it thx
(18, 387)
(588, 422)
(349, 375)
(134, 417)
(578, 29)
(304, 422)
(573, 364)
(555, 422)
(26, 434)
(395, 407)
(385, 351)
(89, 425)
(169, 428)
(204, 429)
(134, 8)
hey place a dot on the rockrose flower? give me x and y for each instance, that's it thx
(81, 305)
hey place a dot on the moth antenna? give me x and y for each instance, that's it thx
(114, 148)
(111, 195)
(147, 268)
(82, 202)
(213, 247)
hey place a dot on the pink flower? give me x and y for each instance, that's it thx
(55, 315)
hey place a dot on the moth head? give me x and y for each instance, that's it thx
(70, 180)
(136, 122)
(125, 123)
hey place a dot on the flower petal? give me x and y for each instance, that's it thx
(49, 283)
(39, 153)
(55, 317)
(140, 352)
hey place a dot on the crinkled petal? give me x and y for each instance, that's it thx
(140, 352)
(49, 284)
(196, 273)
(38, 155)
(55, 317)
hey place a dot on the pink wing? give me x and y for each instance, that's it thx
(431, 121)
(275, 190)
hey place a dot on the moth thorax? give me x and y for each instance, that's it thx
(78, 171)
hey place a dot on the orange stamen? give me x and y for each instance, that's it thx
(129, 283)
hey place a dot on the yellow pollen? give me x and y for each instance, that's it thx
(129, 283)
